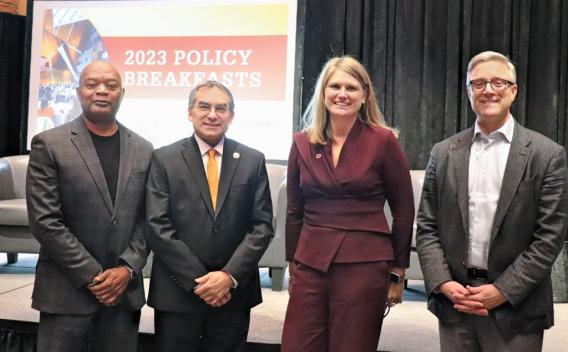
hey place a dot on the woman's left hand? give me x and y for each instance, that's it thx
(395, 293)
(396, 289)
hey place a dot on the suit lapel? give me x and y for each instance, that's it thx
(459, 159)
(231, 157)
(84, 144)
(516, 164)
(125, 165)
(194, 162)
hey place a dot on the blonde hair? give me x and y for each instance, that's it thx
(487, 56)
(316, 117)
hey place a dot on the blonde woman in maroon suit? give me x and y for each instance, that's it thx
(341, 170)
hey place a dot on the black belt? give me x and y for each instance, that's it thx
(476, 273)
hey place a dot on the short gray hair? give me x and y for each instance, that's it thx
(211, 84)
(487, 56)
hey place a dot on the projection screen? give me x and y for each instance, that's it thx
(162, 49)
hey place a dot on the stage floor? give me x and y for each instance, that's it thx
(408, 327)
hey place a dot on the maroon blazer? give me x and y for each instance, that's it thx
(336, 214)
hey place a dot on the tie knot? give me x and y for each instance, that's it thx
(211, 152)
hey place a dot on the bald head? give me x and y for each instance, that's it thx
(99, 66)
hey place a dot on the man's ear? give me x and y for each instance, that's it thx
(514, 90)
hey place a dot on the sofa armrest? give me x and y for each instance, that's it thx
(13, 171)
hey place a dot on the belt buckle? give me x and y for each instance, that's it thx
(477, 273)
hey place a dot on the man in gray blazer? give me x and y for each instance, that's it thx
(210, 220)
(491, 222)
(85, 196)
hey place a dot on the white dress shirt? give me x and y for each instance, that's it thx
(487, 161)
(204, 149)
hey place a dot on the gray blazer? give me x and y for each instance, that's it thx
(527, 234)
(190, 239)
(72, 216)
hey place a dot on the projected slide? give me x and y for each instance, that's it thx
(163, 49)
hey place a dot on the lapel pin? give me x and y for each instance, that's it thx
(236, 155)
(318, 155)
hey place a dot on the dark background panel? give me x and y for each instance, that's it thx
(417, 53)
(12, 32)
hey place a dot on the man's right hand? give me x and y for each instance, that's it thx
(214, 288)
(109, 286)
(458, 294)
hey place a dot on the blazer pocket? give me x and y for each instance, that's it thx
(138, 174)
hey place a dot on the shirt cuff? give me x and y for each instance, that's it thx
(130, 269)
(235, 283)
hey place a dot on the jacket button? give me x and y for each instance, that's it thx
(214, 229)
(114, 222)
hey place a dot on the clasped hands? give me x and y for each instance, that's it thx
(214, 288)
(477, 300)
(109, 286)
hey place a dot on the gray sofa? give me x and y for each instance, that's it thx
(15, 236)
(274, 257)
(414, 272)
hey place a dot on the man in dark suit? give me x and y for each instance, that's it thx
(85, 197)
(491, 222)
(210, 220)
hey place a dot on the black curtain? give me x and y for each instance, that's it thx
(17, 336)
(417, 53)
(12, 29)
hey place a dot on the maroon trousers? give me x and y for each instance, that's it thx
(338, 311)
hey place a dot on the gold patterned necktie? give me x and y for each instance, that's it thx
(212, 176)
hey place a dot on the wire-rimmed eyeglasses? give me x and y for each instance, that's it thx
(497, 84)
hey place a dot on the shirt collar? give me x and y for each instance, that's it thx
(506, 130)
(204, 147)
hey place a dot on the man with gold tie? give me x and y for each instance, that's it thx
(209, 216)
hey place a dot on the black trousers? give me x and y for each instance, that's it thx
(107, 330)
(213, 331)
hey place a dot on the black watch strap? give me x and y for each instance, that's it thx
(395, 278)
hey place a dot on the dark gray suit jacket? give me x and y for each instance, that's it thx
(72, 216)
(527, 234)
(189, 239)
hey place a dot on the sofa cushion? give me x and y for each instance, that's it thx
(13, 212)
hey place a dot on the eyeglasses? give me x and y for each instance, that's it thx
(497, 84)
(220, 109)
